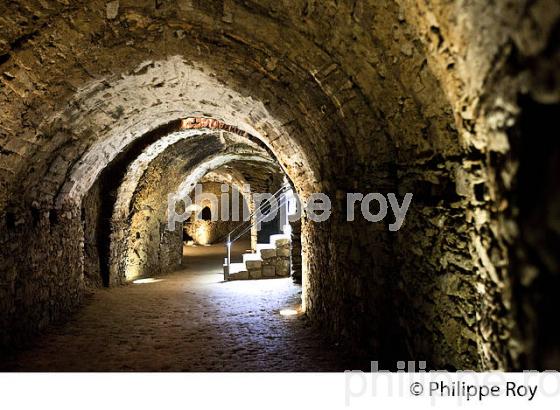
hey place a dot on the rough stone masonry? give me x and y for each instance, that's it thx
(440, 99)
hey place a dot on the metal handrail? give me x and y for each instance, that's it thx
(280, 191)
(251, 223)
(258, 221)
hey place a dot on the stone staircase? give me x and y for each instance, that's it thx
(270, 260)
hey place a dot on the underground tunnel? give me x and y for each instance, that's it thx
(113, 110)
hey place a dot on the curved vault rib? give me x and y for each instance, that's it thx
(201, 96)
(137, 168)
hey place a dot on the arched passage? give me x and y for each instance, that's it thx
(140, 222)
(360, 96)
(183, 154)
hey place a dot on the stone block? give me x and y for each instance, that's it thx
(283, 267)
(112, 9)
(269, 262)
(253, 264)
(255, 274)
(269, 271)
(268, 253)
(282, 243)
(243, 275)
(283, 252)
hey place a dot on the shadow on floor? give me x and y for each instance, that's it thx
(189, 320)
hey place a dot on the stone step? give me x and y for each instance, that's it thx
(236, 268)
(255, 274)
(252, 266)
(261, 246)
(251, 257)
(279, 236)
(268, 253)
(268, 271)
(243, 275)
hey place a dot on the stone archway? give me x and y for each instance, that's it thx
(361, 96)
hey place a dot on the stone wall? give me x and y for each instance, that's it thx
(42, 272)
(91, 211)
(361, 96)
(208, 232)
(296, 252)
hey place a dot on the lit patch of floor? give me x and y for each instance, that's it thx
(289, 312)
(146, 280)
(189, 321)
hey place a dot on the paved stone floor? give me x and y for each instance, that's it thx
(188, 321)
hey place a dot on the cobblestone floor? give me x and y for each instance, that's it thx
(188, 321)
